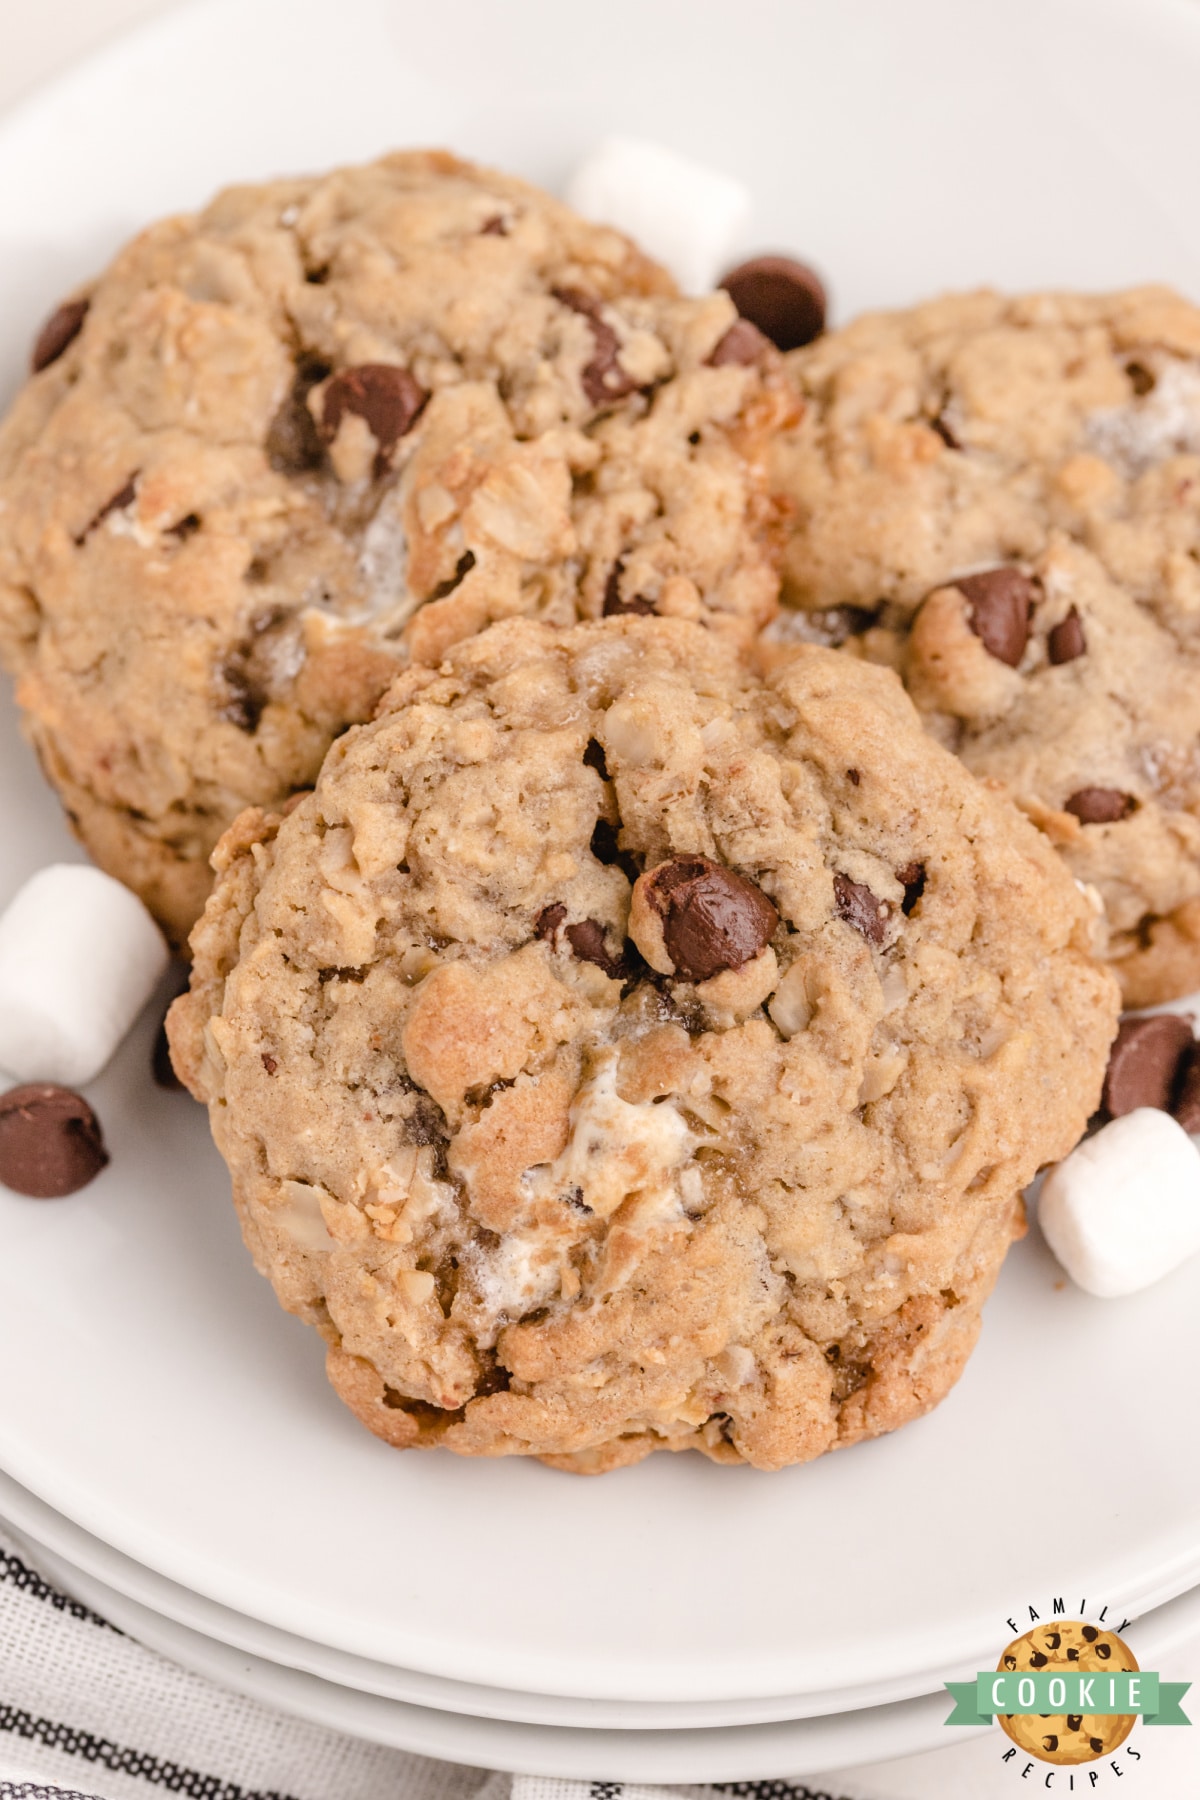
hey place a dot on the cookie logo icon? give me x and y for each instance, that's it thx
(1074, 1648)
(1068, 1691)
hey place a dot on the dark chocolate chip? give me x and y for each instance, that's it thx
(1090, 1634)
(462, 569)
(493, 1377)
(124, 496)
(386, 396)
(859, 907)
(269, 1063)
(494, 227)
(743, 343)
(1097, 1744)
(546, 925)
(587, 941)
(593, 757)
(1104, 1651)
(1001, 601)
(60, 330)
(244, 700)
(1053, 1639)
(1010, 1662)
(912, 879)
(1050, 1742)
(161, 1066)
(50, 1141)
(1100, 806)
(603, 378)
(1072, 1654)
(1187, 1100)
(713, 918)
(784, 298)
(853, 777)
(1066, 641)
(293, 441)
(613, 603)
(185, 528)
(1037, 1660)
(1141, 379)
(1144, 1065)
(1074, 1721)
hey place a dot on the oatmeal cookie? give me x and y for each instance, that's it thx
(329, 426)
(617, 1052)
(1001, 498)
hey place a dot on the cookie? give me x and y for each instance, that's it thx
(1001, 498)
(1069, 1645)
(617, 1052)
(327, 427)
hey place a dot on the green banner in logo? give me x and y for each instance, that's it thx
(1046, 1691)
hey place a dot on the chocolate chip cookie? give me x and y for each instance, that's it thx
(327, 427)
(1069, 1645)
(1001, 498)
(617, 1052)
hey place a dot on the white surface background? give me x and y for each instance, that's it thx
(38, 37)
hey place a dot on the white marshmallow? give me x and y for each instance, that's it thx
(685, 215)
(1123, 1209)
(79, 958)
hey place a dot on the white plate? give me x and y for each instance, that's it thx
(749, 1753)
(162, 1401)
(133, 1581)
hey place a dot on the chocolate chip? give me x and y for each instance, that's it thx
(784, 298)
(1074, 1721)
(603, 378)
(1037, 1660)
(184, 528)
(493, 1377)
(1097, 1745)
(1053, 1639)
(1141, 379)
(1145, 1063)
(1050, 1742)
(124, 496)
(244, 700)
(587, 941)
(161, 1066)
(1010, 1662)
(1001, 601)
(462, 569)
(713, 919)
(613, 603)
(269, 1063)
(1187, 1099)
(1072, 1654)
(293, 442)
(853, 777)
(859, 907)
(1100, 806)
(593, 758)
(60, 330)
(943, 430)
(494, 227)
(912, 879)
(546, 925)
(1090, 1634)
(1066, 641)
(50, 1141)
(386, 396)
(743, 343)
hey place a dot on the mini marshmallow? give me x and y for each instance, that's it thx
(79, 958)
(1123, 1209)
(686, 215)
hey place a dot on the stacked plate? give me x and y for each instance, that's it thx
(170, 1448)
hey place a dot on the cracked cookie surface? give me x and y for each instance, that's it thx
(1052, 441)
(617, 1052)
(329, 426)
